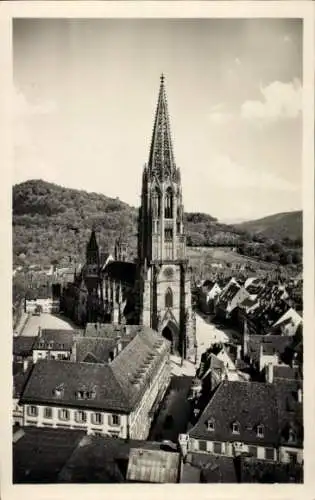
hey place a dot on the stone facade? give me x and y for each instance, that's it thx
(163, 274)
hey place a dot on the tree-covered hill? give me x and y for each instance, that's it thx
(277, 226)
(52, 224)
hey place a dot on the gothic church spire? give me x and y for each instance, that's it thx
(161, 159)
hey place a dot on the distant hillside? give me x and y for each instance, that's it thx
(278, 226)
(53, 224)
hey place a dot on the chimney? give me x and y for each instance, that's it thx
(238, 351)
(39, 332)
(269, 373)
(300, 395)
(25, 365)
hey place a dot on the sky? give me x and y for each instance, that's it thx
(85, 93)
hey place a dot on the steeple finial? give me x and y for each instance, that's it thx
(162, 78)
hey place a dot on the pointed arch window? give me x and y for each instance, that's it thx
(156, 203)
(168, 203)
(169, 298)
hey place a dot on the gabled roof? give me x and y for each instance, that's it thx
(93, 349)
(23, 346)
(271, 344)
(249, 403)
(290, 315)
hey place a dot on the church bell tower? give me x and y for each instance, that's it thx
(164, 277)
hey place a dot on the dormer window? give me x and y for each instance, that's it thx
(210, 425)
(80, 394)
(236, 428)
(260, 431)
(58, 391)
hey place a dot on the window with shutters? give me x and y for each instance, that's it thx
(217, 447)
(269, 454)
(202, 445)
(80, 416)
(32, 411)
(64, 414)
(98, 418)
(48, 413)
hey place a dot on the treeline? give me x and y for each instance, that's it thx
(52, 224)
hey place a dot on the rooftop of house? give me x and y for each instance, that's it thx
(261, 471)
(115, 387)
(241, 405)
(285, 372)
(111, 330)
(55, 340)
(23, 346)
(62, 382)
(43, 455)
(229, 293)
(209, 469)
(94, 349)
(153, 466)
(19, 382)
(40, 453)
(270, 345)
(237, 409)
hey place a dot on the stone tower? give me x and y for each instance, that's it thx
(91, 275)
(164, 278)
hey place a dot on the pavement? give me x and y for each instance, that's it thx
(48, 321)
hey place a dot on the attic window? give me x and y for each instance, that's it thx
(260, 431)
(210, 425)
(58, 391)
(80, 394)
(236, 428)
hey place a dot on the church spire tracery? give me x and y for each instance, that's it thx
(161, 158)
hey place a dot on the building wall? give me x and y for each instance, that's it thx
(106, 427)
(50, 354)
(141, 419)
(18, 412)
(286, 451)
(232, 449)
(48, 305)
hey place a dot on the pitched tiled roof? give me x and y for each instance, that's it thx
(19, 382)
(40, 453)
(117, 386)
(48, 375)
(285, 372)
(111, 330)
(93, 349)
(262, 471)
(23, 346)
(55, 340)
(272, 344)
(248, 403)
(138, 361)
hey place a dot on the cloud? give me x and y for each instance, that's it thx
(279, 101)
(231, 175)
(219, 115)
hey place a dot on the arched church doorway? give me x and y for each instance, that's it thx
(169, 333)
